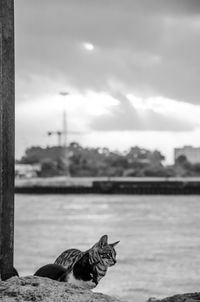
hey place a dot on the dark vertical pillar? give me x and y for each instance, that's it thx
(7, 83)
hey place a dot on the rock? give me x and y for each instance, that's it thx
(192, 297)
(34, 288)
(40, 289)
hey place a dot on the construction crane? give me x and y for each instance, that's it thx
(64, 132)
(61, 134)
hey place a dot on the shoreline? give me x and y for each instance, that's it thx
(109, 185)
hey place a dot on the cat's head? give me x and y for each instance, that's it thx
(106, 250)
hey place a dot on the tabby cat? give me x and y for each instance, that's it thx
(83, 273)
(102, 255)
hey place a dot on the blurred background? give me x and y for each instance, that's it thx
(108, 89)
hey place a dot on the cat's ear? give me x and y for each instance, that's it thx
(113, 244)
(103, 241)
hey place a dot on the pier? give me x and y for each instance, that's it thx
(114, 185)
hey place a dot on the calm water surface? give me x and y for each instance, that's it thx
(159, 249)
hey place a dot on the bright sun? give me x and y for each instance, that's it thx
(88, 46)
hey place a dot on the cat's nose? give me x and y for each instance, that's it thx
(115, 261)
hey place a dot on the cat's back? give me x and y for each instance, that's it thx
(69, 257)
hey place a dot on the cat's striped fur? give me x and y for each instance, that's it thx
(102, 255)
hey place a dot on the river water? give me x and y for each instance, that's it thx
(159, 249)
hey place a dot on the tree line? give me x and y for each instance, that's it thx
(78, 161)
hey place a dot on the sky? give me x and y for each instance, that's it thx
(130, 69)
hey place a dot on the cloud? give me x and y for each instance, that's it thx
(148, 46)
(152, 114)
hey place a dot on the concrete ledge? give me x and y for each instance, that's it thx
(45, 290)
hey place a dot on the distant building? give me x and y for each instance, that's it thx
(27, 170)
(191, 153)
